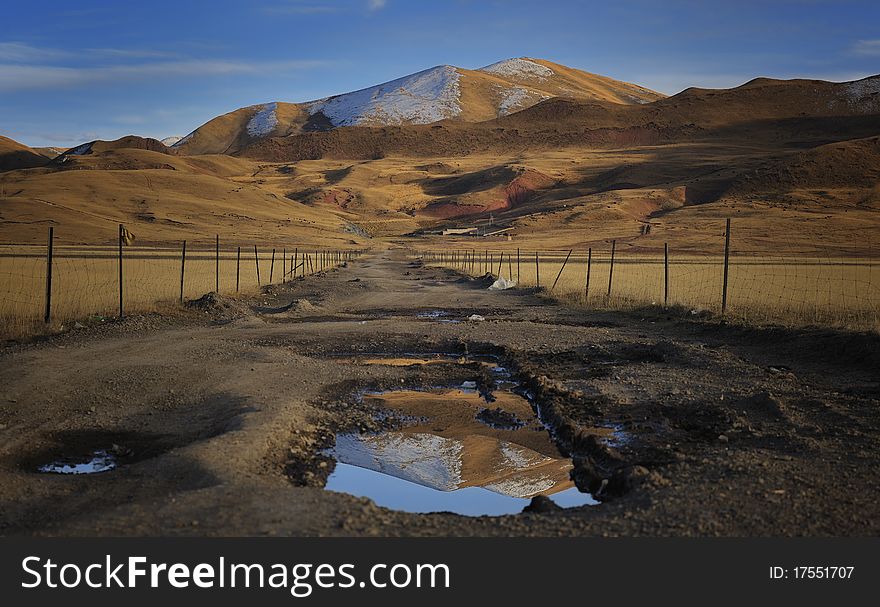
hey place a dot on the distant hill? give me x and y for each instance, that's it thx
(15, 155)
(441, 93)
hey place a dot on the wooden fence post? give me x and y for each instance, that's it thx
(500, 263)
(284, 266)
(237, 268)
(49, 246)
(611, 268)
(257, 263)
(295, 259)
(726, 266)
(217, 264)
(560, 270)
(120, 269)
(589, 265)
(182, 268)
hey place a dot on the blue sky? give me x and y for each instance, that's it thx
(75, 71)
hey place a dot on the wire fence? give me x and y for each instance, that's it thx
(703, 274)
(53, 283)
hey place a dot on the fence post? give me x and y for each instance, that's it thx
(217, 264)
(284, 266)
(237, 267)
(182, 267)
(589, 265)
(517, 265)
(272, 267)
(500, 263)
(665, 274)
(295, 259)
(537, 271)
(49, 275)
(560, 270)
(611, 269)
(510, 268)
(257, 263)
(120, 269)
(726, 266)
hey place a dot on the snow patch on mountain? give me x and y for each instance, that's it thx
(519, 68)
(516, 98)
(863, 94)
(170, 141)
(521, 487)
(80, 150)
(426, 459)
(264, 121)
(184, 140)
(421, 98)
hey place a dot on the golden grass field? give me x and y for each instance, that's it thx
(85, 280)
(843, 292)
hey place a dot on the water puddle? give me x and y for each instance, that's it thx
(437, 316)
(99, 461)
(460, 451)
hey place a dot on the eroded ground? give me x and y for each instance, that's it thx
(223, 421)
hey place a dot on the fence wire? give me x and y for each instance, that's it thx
(85, 280)
(828, 287)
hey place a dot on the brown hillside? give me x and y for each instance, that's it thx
(15, 155)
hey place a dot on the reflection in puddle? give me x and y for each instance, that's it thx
(391, 492)
(100, 461)
(456, 455)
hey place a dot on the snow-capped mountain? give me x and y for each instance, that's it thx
(169, 141)
(440, 93)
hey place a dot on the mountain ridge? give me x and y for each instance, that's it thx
(439, 93)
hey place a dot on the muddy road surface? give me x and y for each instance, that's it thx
(375, 380)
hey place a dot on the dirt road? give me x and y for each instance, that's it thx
(218, 418)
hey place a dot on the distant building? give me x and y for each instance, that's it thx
(457, 231)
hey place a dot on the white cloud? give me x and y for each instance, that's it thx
(867, 47)
(376, 5)
(21, 77)
(19, 52)
(298, 7)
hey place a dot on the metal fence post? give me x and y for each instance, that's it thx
(560, 270)
(589, 266)
(120, 269)
(272, 267)
(537, 271)
(182, 268)
(611, 269)
(257, 263)
(49, 275)
(237, 268)
(726, 266)
(665, 274)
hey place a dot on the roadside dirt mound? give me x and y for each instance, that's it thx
(217, 306)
